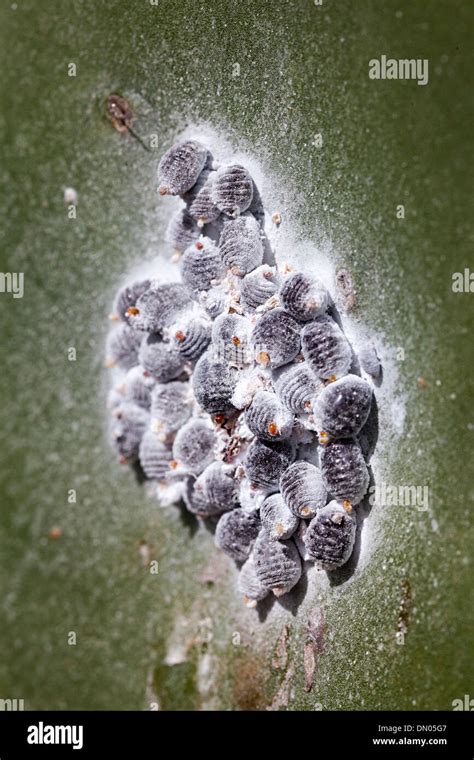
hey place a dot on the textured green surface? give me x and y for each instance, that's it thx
(303, 72)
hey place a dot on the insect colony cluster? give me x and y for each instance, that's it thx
(241, 394)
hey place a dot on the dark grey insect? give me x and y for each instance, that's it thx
(240, 245)
(266, 461)
(181, 166)
(326, 348)
(182, 230)
(298, 538)
(159, 306)
(203, 209)
(248, 584)
(193, 448)
(303, 296)
(219, 487)
(277, 519)
(162, 360)
(155, 456)
(128, 296)
(192, 337)
(297, 387)
(276, 338)
(369, 360)
(258, 286)
(303, 490)
(189, 196)
(214, 301)
(122, 348)
(344, 471)
(171, 404)
(256, 206)
(232, 190)
(343, 407)
(277, 563)
(129, 425)
(231, 339)
(138, 387)
(213, 383)
(330, 536)
(201, 265)
(236, 533)
(195, 500)
(268, 418)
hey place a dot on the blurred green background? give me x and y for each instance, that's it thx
(303, 71)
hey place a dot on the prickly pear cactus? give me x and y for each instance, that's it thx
(112, 599)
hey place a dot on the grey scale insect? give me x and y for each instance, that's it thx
(222, 379)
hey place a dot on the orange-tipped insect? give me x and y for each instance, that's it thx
(263, 358)
(273, 428)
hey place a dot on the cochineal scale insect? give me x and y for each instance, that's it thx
(235, 387)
